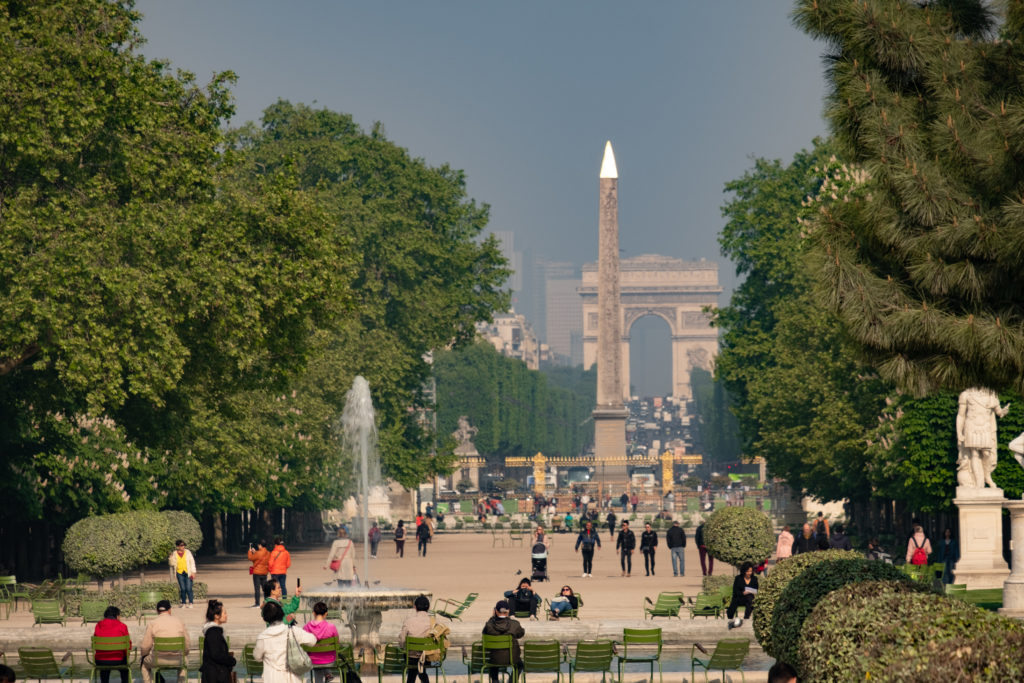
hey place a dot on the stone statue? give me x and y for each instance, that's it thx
(976, 436)
(465, 433)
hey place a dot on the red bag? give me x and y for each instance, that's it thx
(335, 564)
(919, 556)
(251, 569)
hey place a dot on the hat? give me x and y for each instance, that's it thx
(502, 606)
(163, 606)
(675, 523)
(526, 580)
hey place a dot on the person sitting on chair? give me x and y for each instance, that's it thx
(523, 599)
(565, 601)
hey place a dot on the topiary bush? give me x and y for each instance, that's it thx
(713, 584)
(182, 525)
(887, 631)
(813, 585)
(739, 534)
(770, 589)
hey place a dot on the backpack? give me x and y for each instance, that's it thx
(400, 533)
(920, 556)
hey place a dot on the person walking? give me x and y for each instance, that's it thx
(707, 563)
(400, 539)
(648, 542)
(260, 558)
(184, 566)
(422, 538)
(625, 544)
(839, 540)
(634, 500)
(272, 645)
(948, 555)
(280, 561)
(624, 502)
(805, 542)
(675, 539)
(919, 548)
(111, 626)
(588, 539)
(341, 559)
(610, 521)
(784, 546)
(218, 662)
(374, 537)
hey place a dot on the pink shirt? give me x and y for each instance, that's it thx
(321, 629)
(784, 548)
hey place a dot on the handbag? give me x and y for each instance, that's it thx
(298, 659)
(336, 562)
(252, 569)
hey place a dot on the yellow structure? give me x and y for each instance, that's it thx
(539, 473)
(667, 474)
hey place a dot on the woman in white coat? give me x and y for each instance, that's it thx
(344, 551)
(272, 646)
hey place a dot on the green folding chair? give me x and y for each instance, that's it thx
(453, 609)
(393, 662)
(253, 666)
(92, 611)
(14, 590)
(542, 656)
(147, 604)
(169, 654)
(498, 647)
(706, 606)
(594, 656)
(569, 613)
(727, 656)
(414, 646)
(641, 646)
(120, 644)
(40, 664)
(473, 659)
(47, 612)
(666, 605)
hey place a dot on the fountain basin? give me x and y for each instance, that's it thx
(363, 607)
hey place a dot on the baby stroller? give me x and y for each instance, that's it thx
(539, 562)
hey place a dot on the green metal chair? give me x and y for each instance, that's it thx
(109, 644)
(569, 613)
(324, 646)
(414, 646)
(473, 659)
(199, 652)
(666, 605)
(169, 654)
(453, 609)
(641, 646)
(40, 664)
(541, 656)
(498, 646)
(6, 599)
(727, 656)
(92, 611)
(594, 656)
(14, 590)
(253, 666)
(147, 604)
(393, 662)
(706, 606)
(48, 612)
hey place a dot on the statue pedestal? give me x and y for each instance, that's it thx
(1013, 588)
(981, 562)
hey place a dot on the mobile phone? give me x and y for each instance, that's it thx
(298, 583)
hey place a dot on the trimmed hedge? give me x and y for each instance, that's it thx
(126, 598)
(770, 589)
(106, 545)
(739, 534)
(814, 585)
(714, 583)
(865, 630)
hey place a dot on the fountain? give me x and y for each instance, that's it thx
(362, 604)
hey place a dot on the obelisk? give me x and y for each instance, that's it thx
(609, 414)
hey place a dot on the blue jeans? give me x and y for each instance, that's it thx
(185, 588)
(280, 578)
(678, 560)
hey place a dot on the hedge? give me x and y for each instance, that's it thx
(867, 629)
(126, 598)
(770, 589)
(739, 534)
(107, 545)
(815, 584)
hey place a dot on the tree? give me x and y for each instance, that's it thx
(717, 430)
(923, 269)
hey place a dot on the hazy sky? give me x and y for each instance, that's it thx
(522, 95)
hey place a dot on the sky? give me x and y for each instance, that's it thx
(522, 96)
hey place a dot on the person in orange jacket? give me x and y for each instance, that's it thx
(260, 558)
(280, 560)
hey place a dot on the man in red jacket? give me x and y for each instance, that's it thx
(280, 560)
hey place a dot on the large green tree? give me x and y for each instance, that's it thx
(923, 268)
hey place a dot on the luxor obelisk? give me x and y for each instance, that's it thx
(609, 414)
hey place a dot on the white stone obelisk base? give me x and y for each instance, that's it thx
(981, 562)
(1013, 588)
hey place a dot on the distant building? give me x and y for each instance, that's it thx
(562, 314)
(515, 262)
(512, 336)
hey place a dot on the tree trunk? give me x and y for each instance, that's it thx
(218, 534)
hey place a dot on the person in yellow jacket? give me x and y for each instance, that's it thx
(280, 560)
(184, 566)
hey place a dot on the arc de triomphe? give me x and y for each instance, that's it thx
(675, 291)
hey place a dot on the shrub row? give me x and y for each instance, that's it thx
(834, 615)
(127, 597)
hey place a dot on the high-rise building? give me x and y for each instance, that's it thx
(515, 263)
(563, 314)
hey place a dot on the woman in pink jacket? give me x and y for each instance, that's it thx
(784, 548)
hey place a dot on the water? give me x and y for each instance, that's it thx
(359, 438)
